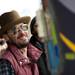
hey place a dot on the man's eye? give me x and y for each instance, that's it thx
(14, 31)
(25, 28)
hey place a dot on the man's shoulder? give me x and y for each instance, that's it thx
(7, 56)
(4, 61)
(6, 67)
(7, 53)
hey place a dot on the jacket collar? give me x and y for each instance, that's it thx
(18, 55)
(33, 54)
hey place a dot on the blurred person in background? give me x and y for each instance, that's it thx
(36, 41)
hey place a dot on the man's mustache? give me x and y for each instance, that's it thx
(22, 34)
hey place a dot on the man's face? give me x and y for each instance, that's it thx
(19, 34)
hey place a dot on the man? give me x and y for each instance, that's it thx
(39, 44)
(20, 57)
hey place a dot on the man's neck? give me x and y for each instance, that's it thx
(24, 51)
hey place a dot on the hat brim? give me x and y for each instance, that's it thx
(8, 26)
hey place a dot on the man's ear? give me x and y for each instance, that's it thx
(6, 37)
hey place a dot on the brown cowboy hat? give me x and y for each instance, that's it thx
(8, 19)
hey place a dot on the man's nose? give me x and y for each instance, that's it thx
(23, 33)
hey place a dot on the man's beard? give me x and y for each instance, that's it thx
(22, 45)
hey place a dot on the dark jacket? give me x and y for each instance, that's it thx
(42, 63)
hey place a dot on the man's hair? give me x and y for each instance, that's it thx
(32, 24)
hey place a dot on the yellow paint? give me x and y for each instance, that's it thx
(67, 42)
(70, 56)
